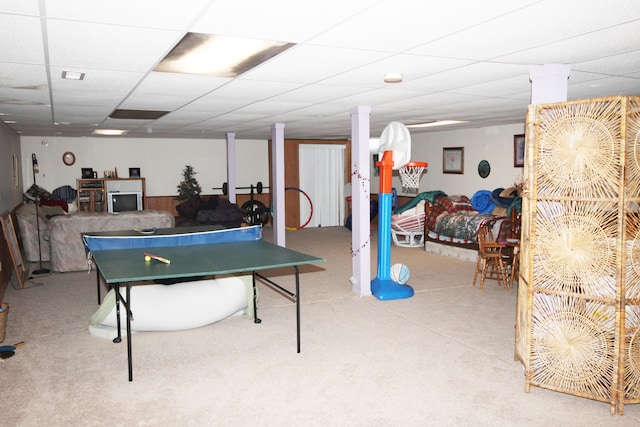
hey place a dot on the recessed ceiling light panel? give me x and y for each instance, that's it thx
(434, 123)
(220, 56)
(72, 75)
(110, 132)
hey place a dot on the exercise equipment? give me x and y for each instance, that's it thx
(254, 212)
(259, 188)
(310, 210)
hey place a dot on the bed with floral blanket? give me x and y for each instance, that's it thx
(453, 220)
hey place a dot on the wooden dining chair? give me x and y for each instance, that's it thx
(491, 259)
(515, 265)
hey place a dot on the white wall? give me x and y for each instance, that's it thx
(10, 195)
(494, 144)
(161, 161)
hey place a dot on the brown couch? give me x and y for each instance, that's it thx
(208, 210)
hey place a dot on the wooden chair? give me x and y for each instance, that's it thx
(490, 264)
(515, 265)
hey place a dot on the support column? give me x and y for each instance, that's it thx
(277, 183)
(360, 199)
(231, 166)
(549, 83)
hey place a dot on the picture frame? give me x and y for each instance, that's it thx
(134, 172)
(453, 160)
(87, 173)
(518, 151)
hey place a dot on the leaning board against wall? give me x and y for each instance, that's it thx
(578, 315)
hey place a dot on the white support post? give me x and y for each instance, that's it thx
(277, 183)
(360, 200)
(231, 166)
(549, 83)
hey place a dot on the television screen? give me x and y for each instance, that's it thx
(124, 201)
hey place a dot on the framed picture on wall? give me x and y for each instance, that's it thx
(453, 160)
(134, 172)
(518, 151)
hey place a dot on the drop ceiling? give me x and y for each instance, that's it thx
(461, 60)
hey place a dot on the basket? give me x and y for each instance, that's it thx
(410, 176)
(3, 320)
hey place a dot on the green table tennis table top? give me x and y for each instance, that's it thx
(129, 265)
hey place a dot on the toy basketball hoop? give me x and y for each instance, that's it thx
(410, 176)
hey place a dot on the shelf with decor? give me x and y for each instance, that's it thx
(92, 192)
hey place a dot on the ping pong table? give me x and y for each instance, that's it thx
(120, 260)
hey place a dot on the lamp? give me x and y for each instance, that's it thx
(36, 169)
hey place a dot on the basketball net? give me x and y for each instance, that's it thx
(410, 176)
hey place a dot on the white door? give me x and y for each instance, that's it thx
(322, 179)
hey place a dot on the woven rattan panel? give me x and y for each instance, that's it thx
(578, 313)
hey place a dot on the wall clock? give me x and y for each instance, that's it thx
(68, 158)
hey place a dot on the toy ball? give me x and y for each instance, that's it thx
(147, 258)
(400, 273)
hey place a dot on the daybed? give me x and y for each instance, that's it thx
(452, 224)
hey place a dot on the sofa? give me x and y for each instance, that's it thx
(61, 234)
(208, 210)
(26, 222)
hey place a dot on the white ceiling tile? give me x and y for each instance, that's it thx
(85, 46)
(307, 64)
(291, 21)
(21, 39)
(138, 13)
(22, 7)
(572, 50)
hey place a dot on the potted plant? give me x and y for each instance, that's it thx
(189, 186)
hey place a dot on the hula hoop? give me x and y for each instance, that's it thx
(310, 213)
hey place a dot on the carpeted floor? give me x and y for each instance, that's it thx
(444, 357)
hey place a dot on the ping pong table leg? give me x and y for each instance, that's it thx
(116, 291)
(297, 305)
(129, 314)
(255, 300)
(98, 284)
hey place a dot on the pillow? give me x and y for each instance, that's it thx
(189, 208)
(66, 193)
(53, 202)
(35, 193)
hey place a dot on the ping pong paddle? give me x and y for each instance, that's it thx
(11, 347)
(149, 257)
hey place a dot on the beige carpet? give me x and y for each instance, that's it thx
(441, 358)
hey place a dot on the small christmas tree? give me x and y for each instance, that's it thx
(189, 186)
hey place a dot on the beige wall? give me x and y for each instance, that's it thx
(10, 195)
(161, 161)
